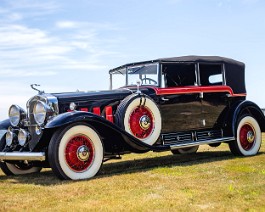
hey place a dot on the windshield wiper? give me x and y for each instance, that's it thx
(137, 70)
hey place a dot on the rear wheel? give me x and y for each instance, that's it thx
(187, 150)
(75, 152)
(248, 139)
(18, 168)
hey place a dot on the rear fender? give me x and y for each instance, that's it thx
(242, 108)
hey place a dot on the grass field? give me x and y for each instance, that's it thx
(211, 180)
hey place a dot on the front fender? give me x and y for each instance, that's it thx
(105, 128)
(3, 127)
(246, 107)
(71, 117)
(4, 124)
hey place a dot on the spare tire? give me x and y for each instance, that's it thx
(139, 115)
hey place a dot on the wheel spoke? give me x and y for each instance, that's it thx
(141, 122)
(79, 153)
(247, 136)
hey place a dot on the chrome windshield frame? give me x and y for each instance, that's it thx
(126, 68)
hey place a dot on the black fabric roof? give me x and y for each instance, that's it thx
(234, 70)
(200, 59)
(192, 58)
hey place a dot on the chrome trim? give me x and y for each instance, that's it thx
(191, 144)
(223, 74)
(110, 79)
(29, 156)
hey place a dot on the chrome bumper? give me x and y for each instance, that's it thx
(29, 156)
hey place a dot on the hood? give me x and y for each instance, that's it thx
(88, 100)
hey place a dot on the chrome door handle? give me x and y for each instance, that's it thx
(163, 98)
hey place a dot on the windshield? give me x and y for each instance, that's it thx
(146, 74)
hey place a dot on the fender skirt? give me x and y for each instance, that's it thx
(98, 122)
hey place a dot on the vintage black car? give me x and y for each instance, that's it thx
(169, 104)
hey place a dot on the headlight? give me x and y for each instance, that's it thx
(22, 137)
(41, 111)
(9, 138)
(16, 115)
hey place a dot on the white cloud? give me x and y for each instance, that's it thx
(67, 24)
(15, 36)
(32, 53)
(19, 74)
(45, 6)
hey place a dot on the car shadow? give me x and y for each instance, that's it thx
(47, 178)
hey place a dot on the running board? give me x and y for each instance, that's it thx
(29, 156)
(196, 143)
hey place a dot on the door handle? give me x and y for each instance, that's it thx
(164, 99)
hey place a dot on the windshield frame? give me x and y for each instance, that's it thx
(124, 70)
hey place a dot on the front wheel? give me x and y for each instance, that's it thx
(75, 152)
(248, 139)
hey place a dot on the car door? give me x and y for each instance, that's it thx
(180, 102)
(214, 93)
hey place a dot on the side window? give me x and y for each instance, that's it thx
(182, 74)
(211, 74)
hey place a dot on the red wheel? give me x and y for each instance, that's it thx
(75, 152)
(249, 138)
(141, 122)
(140, 116)
(79, 153)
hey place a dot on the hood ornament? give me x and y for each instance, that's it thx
(33, 86)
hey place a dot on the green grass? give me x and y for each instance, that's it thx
(211, 180)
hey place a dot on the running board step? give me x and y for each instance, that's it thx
(196, 143)
(29, 156)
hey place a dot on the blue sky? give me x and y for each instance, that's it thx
(68, 45)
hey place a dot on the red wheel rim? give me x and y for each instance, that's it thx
(141, 122)
(79, 153)
(247, 136)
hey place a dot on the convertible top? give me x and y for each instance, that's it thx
(234, 70)
(213, 59)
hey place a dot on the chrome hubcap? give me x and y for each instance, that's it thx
(83, 153)
(145, 122)
(250, 137)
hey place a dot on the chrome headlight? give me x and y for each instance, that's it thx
(9, 138)
(41, 111)
(16, 115)
(22, 137)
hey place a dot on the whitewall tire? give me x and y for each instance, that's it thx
(76, 152)
(140, 116)
(16, 169)
(248, 138)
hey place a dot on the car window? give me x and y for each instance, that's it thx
(146, 74)
(211, 74)
(182, 74)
